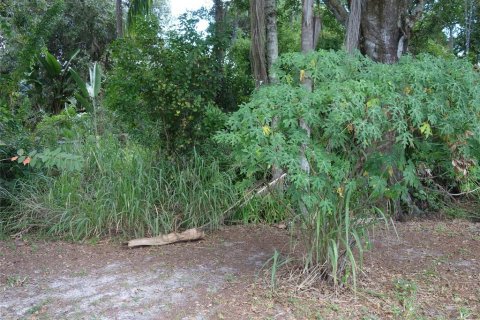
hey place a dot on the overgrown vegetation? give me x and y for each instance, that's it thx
(382, 136)
(120, 190)
(176, 138)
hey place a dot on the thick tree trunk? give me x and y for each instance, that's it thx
(272, 37)
(257, 48)
(308, 26)
(119, 18)
(317, 23)
(353, 27)
(381, 23)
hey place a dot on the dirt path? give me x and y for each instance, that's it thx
(432, 270)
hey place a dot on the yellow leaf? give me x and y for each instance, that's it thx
(340, 191)
(266, 130)
(425, 129)
(373, 102)
(407, 90)
(302, 75)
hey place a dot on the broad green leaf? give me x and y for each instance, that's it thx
(80, 83)
(51, 64)
(96, 79)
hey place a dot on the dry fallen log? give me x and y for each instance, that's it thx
(161, 240)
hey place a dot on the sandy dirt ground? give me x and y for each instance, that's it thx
(431, 270)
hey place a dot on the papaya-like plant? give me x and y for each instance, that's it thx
(383, 136)
(51, 82)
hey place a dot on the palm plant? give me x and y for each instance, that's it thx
(136, 8)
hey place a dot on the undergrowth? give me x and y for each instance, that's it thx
(121, 190)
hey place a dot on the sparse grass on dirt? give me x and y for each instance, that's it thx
(430, 271)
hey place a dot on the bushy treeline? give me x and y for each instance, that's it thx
(174, 139)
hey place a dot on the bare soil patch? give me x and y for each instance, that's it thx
(431, 271)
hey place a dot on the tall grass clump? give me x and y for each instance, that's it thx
(121, 190)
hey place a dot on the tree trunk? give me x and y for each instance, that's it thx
(308, 45)
(257, 48)
(317, 23)
(381, 23)
(353, 26)
(470, 8)
(219, 31)
(308, 26)
(272, 56)
(272, 37)
(119, 18)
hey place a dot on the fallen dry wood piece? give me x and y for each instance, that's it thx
(161, 240)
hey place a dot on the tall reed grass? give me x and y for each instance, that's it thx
(121, 190)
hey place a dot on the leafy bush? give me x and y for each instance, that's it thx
(379, 133)
(163, 90)
(13, 136)
(66, 127)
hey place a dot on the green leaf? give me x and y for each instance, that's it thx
(96, 79)
(51, 64)
(425, 129)
(80, 83)
(373, 103)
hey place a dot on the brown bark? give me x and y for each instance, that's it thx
(308, 45)
(470, 8)
(272, 37)
(119, 18)
(272, 56)
(317, 30)
(308, 26)
(257, 48)
(381, 29)
(353, 27)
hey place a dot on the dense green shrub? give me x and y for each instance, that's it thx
(164, 90)
(379, 133)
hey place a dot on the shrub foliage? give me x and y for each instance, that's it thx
(380, 134)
